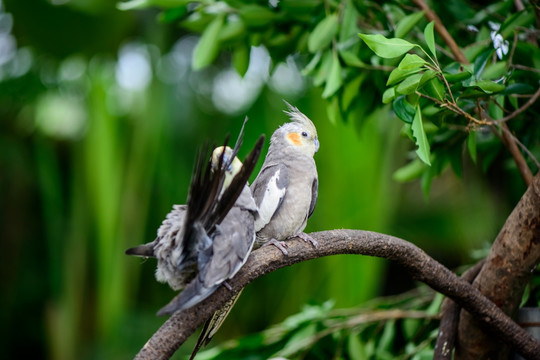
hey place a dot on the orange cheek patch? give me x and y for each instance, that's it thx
(294, 138)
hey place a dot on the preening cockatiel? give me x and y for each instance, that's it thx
(204, 243)
(285, 192)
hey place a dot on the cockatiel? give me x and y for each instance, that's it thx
(202, 244)
(285, 192)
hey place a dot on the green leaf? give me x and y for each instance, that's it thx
(426, 76)
(355, 348)
(232, 30)
(256, 16)
(351, 89)
(494, 71)
(333, 81)
(389, 95)
(407, 23)
(409, 85)
(299, 340)
(240, 59)
(350, 59)
(386, 48)
(430, 38)
(312, 64)
(471, 145)
(410, 328)
(324, 69)
(481, 61)
(299, 6)
(494, 111)
(399, 74)
(387, 336)
(522, 19)
(489, 86)
(457, 76)
(141, 4)
(518, 88)
(403, 109)
(173, 14)
(323, 33)
(435, 89)
(349, 27)
(207, 48)
(332, 111)
(411, 61)
(423, 150)
(409, 172)
(426, 180)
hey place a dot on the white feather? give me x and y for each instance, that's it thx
(270, 202)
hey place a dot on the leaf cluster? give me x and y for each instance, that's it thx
(447, 107)
(375, 331)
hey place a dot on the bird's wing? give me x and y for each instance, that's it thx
(269, 189)
(221, 245)
(314, 194)
(231, 247)
(219, 261)
(212, 325)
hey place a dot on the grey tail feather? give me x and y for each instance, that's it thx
(193, 293)
(146, 250)
(212, 325)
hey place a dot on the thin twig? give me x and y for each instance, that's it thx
(524, 107)
(523, 147)
(526, 68)
(511, 56)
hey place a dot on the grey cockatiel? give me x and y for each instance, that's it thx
(285, 192)
(202, 244)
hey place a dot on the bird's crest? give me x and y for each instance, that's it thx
(297, 116)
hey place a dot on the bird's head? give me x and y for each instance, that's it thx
(231, 165)
(299, 134)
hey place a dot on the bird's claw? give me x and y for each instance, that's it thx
(306, 238)
(281, 245)
(226, 284)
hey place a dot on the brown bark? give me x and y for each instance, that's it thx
(180, 325)
(446, 339)
(514, 254)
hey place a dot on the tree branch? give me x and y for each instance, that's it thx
(524, 107)
(509, 141)
(182, 324)
(446, 339)
(514, 254)
(441, 29)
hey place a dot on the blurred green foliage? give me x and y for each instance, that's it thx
(101, 115)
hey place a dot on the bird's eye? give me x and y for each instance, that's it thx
(304, 134)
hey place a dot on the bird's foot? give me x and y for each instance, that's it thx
(306, 238)
(281, 245)
(226, 284)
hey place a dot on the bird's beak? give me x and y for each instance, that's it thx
(227, 162)
(316, 142)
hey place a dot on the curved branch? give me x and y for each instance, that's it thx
(182, 324)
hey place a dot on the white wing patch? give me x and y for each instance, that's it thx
(273, 196)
